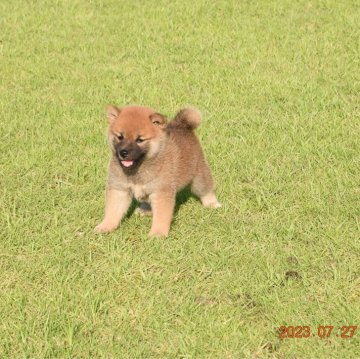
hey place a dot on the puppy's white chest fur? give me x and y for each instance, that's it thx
(139, 192)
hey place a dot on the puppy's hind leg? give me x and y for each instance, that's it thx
(203, 187)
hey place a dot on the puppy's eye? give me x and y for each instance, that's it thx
(120, 136)
(139, 140)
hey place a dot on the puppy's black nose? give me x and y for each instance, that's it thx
(124, 153)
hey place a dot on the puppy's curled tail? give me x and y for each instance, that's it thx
(186, 119)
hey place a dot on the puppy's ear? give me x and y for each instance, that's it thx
(112, 112)
(158, 119)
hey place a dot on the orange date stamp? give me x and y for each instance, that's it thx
(322, 331)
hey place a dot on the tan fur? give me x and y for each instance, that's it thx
(173, 159)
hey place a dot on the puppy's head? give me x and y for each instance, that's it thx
(135, 134)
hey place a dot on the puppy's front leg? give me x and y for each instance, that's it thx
(162, 204)
(117, 204)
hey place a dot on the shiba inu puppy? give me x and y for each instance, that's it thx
(151, 161)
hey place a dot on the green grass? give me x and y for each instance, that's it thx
(278, 83)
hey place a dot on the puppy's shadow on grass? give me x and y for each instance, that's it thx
(134, 204)
(182, 197)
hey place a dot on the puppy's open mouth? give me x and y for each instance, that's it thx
(128, 163)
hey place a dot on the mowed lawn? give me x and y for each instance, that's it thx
(278, 83)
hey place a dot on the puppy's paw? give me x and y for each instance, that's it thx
(213, 205)
(156, 233)
(210, 201)
(104, 228)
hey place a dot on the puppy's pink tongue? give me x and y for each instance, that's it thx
(127, 163)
